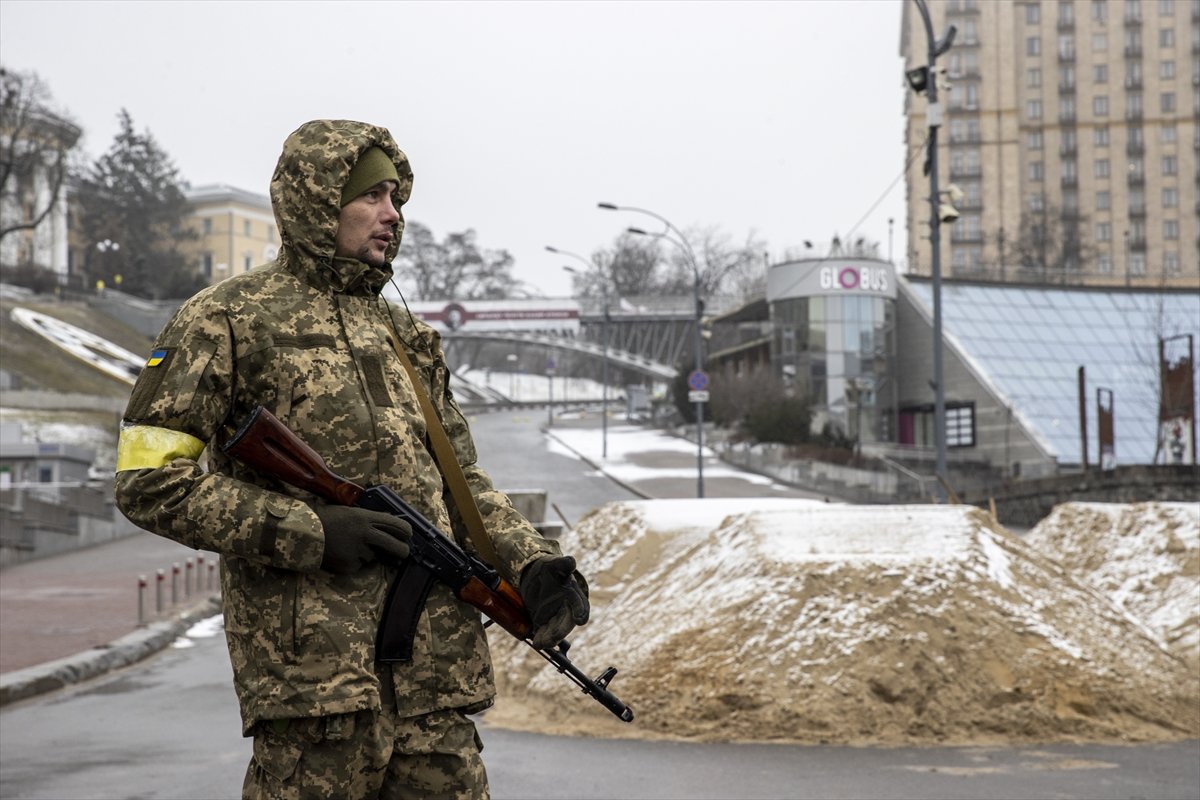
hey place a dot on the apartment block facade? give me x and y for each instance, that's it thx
(236, 230)
(1070, 127)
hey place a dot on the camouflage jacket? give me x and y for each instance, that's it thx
(309, 338)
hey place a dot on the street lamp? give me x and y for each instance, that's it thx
(107, 246)
(683, 245)
(604, 338)
(925, 79)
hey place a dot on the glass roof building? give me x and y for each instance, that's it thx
(1026, 345)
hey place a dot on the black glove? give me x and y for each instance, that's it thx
(557, 598)
(356, 537)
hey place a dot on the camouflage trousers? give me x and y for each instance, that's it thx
(368, 754)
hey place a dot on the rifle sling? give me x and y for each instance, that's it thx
(452, 473)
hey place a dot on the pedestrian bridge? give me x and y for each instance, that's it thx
(648, 337)
(631, 362)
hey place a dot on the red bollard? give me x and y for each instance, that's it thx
(199, 574)
(175, 583)
(158, 591)
(187, 579)
(141, 600)
(212, 572)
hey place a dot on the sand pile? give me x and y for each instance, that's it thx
(802, 621)
(1145, 557)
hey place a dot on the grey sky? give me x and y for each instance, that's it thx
(783, 118)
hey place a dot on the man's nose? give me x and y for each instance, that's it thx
(390, 215)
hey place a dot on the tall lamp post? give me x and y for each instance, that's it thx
(604, 338)
(683, 245)
(925, 78)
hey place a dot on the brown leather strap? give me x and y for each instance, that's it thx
(452, 473)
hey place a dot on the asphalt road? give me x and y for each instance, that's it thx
(169, 727)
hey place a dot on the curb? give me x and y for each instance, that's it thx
(129, 649)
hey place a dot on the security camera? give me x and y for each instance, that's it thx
(954, 193)
(947, 212)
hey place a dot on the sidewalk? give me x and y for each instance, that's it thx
(73, 609)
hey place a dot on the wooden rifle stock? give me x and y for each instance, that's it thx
(265, 443)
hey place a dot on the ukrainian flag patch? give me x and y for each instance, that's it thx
(157, 358)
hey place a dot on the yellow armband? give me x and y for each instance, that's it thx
(146, 447)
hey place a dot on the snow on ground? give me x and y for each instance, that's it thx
(805, 621)
(1145, 557)
(634, 452)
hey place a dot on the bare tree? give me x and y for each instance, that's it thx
(455, 268)
(644, 265)
(1051, 245)
(35, 148)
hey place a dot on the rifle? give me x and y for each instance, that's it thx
(267, 445)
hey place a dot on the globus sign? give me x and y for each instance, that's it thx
(872, 279)
(842, 276)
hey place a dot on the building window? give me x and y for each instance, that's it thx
(1170, 197)
(208, 265)
(207, 226)
(1100, 73)
(917, 425)
(1100, 105)
(1033, 14)
(1103, 201)
(1036, 170)
(1170, 165)
(1104, 263)
(247, 262)
(960, 424)
(1100, 136)
(1103, 232)
(1166, 37)
(1066, 46)
(1033, 46)
(1171, 229)
(1166, 70)
(1033, 78)
(1133, 105)
(1137, 263)
(1166, 8)
(1166, 133)
(1034, 140)
(1167, 102)
(1133, 10)
(1034, 109)
(1171, 262)
(1037, 201)
(1099, 11)
(1099, 42)
(1100, 169)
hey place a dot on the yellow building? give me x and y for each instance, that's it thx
(236, 230)
(1064, 119)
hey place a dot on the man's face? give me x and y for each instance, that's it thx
(367, 225)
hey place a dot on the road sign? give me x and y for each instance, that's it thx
(698, 380)
(698, 396)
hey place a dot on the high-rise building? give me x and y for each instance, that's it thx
(1070, 127)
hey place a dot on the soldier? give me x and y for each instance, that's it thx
(310, 337)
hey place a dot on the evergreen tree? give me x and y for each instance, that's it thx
(131, 196)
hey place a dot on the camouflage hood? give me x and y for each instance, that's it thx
(306, 194)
